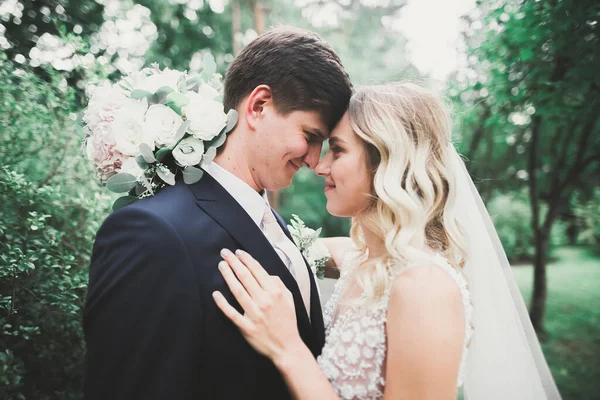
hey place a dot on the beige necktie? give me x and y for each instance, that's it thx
(298, 267)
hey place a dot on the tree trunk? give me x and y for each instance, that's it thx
(540, 289)
(236, 26)
(538, 300)
(259, 17)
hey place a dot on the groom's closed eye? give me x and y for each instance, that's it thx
(315, 135)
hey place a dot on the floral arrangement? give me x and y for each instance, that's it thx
(306, 239)
(153, 126)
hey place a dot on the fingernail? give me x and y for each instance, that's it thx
(225, 253)
(222, 265)
(239, 252)
(216, 295)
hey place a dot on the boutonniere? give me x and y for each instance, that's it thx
(306, 239)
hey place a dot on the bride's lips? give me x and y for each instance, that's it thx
(329, 186)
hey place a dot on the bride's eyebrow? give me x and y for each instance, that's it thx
(334, 140)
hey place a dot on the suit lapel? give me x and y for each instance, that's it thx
(227, 212)
(316, 313)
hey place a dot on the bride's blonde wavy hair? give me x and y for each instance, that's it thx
(407, 134)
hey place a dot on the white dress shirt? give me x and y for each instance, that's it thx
(252, 202)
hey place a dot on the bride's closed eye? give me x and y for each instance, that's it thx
(336, 150)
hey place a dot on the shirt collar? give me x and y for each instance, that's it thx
(253, 202)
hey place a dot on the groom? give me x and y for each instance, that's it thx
(151, 326)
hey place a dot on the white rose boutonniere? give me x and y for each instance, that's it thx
(306, 239)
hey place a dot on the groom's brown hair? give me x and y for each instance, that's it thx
(302, 70)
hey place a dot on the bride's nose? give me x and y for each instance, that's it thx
(324, 166)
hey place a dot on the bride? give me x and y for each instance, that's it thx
(426, 302)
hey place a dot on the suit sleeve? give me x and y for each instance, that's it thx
(143, 313)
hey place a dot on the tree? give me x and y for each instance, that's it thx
(185, 30)
(532, 105)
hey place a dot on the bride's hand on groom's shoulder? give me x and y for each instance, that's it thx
(269, 319)
(338, 248)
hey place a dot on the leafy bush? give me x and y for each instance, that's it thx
(51, 210)
(306, 199)
(588, 218)
(511, 213)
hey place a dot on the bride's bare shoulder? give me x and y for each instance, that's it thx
(425, 283)
(338, 248)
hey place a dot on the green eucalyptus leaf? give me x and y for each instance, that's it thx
(209, 67)
(194, 83)
(167, 176)
(192, 175)
(121, 183)
(217, 141)
(175, 108)
(141, 162)
(162, 153)
(147, 153)
(123, 201)
(177, 99)
(160, 96)
(182, 130)
(232, 119)
(209, 156)
(140, 94)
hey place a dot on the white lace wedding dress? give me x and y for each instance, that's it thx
(354, 354)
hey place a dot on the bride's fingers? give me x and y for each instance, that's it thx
(239, 292)
(255, 268)
(238, 319)
(243, 274)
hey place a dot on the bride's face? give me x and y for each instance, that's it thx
(347, 180)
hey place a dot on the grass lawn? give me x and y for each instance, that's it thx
(572, 320)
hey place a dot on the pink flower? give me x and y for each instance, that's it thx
(101, 151)
(105, 102)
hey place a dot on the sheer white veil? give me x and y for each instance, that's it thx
(505, 360)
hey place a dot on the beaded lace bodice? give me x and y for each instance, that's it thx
(354, 355)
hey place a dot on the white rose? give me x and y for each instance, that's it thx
(162, 124)
(206, 116)
(189, 152)
(152, 83)
(207, 92)
(130, 166)
(128, 128)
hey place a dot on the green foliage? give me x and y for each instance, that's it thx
(363, 32)
(531, 86)
(305, 197)
(588, 215)
(511, 213)
(530, 106)
(572, 344)
(183, 31)
(50, 213)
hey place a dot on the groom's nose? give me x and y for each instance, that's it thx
(312, 156)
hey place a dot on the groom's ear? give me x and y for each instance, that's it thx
(258, 101)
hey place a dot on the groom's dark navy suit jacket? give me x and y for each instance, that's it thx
(151, 326)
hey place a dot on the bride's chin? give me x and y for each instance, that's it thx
(336, 212)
